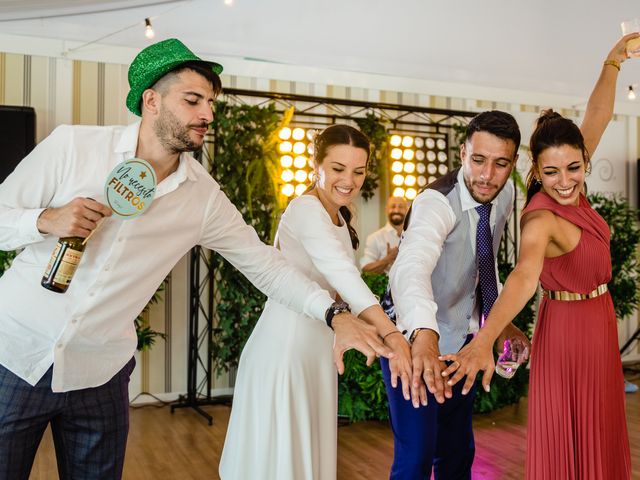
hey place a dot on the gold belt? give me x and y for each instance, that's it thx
(571, 296)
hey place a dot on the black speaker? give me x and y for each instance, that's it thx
(17, 136)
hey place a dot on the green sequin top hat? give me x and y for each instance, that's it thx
(154, 62)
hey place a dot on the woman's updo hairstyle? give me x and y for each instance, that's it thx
(552, 130)
(340, 135)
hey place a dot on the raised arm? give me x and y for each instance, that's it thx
(600, 106)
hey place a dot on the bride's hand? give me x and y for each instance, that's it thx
(351, 332)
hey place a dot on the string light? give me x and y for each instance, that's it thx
(148, 29)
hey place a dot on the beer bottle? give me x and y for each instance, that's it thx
(63, 264)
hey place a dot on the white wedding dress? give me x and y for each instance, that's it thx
(283, 423)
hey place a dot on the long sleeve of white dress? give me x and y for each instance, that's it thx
(307, 220)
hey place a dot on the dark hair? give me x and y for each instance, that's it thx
(552, 130)
(495, 122)
(201, 68)
(340, 135)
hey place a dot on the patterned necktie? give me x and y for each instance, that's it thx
(486, 261)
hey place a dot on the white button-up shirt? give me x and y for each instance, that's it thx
(88, 333)
(432, 219)
(376, 247)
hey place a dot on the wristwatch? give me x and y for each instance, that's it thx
(335, 309)
(414, 334)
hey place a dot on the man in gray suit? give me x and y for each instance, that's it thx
(442, 285)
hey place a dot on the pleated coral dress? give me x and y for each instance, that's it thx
(576, 425)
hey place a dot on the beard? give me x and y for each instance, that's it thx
(173, 135)
(396, 219)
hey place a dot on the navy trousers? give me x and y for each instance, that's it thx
(89, 426)
(436, 436)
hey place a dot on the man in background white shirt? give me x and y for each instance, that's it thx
(381, 248)
(65, 359)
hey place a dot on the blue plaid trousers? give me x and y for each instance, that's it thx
(89, 426)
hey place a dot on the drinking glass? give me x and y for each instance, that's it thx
(630, 26)
(514, 354)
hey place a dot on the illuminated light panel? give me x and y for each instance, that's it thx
(398, 180)
(408, 154)
(396, 140)
(301, 176)
(300, 189)
(407, 141)
(396, 167)
(298, 133)
(288, 190)
(311, 177)
(411, 193)
(409, 167)
(285, 133)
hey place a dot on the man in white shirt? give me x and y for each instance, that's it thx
(381, 248)
(438, 298)
(65, 359)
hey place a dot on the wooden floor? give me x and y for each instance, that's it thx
(183, 447)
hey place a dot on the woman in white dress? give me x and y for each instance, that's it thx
(283, 423)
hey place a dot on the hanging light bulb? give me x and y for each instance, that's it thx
(632, 94)
(148, 29)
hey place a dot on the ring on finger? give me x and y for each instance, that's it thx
(428, 370)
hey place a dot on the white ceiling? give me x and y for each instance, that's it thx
(548, 46)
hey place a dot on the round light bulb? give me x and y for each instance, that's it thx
(396, 167)
(286, 161)
(398, 192)
(286, 147)
(411, 193)
(298, 133)
(410, 180)
(300, 189)
(396, 140)
(396, 153)
(286, 175)
(288, 190)
(398, 180)
(408, 154)
(409, 167)
(299, 148)
(300, 161)
(285, 133)
(301, 176)
(407, 141)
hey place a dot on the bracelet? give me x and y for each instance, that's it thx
(335, 309)
(390, 333)
(613, 63)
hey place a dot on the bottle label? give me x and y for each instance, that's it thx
(52, 260)
(68, 266)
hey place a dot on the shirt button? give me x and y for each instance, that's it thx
(468, 317)
(74, 320)
(120, 239)
(107, 268)
(59, 345)
(91, 294)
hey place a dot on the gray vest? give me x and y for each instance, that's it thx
(454, 277)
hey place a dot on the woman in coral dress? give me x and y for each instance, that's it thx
(576, 426)
(283, 423)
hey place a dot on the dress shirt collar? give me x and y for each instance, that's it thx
(127, 146)
(390, 228)
(466, 200)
